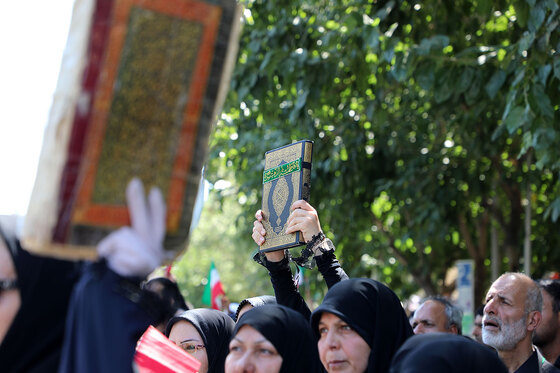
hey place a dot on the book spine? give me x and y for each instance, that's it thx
(306, 170)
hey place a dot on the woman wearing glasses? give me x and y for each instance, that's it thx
(204, 333)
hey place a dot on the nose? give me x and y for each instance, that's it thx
(332, 340)
(489, 307)
(244, 364)
(419, 329)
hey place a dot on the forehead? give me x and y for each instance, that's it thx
(249, 335)
(429, 310)
(184, 330)
(546, 297)
(329, 318)
(508, 287)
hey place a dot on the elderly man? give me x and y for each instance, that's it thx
(437, 314)
(547, 335)
(511, 315)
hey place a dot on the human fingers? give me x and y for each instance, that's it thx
(137, 208)
(301, 204)
(259, 215)
(258, 233)
(157, 212)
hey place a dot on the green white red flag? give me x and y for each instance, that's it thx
(213, 291)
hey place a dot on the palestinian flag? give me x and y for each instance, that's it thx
(213, 291)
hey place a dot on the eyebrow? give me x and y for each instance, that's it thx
(255, 343)
(499, 296)
(190, 340)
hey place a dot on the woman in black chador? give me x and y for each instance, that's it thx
(204, 333)
(359, 326)
(444, 352)
(272, 339)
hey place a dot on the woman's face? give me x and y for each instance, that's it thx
(250, 351)
(341, 349)
(10, 300)
(185, 335)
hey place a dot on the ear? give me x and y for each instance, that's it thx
(533, 320)
(453, 329)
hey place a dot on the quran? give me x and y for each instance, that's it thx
(140, 87)
(286, 179)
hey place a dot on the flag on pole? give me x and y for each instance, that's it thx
(213, 290)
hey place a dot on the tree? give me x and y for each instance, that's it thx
(431, 121)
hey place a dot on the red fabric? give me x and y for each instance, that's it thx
(157, 354)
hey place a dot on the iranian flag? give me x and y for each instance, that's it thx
(213, 290)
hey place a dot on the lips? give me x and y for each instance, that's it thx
(492, 323)
(334, 365)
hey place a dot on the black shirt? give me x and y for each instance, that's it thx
(536, 363)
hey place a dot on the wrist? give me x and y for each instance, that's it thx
(320, 244)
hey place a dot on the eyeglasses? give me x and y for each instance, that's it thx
(191, 348)
(8, 284)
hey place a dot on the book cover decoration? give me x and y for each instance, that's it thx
(140, 87)
(286, 179)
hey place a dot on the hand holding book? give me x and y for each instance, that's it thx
(303, 218)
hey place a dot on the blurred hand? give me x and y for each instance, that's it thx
(304, 219)
(137, 250)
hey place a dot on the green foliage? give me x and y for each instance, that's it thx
(429, 119)
(216, 238)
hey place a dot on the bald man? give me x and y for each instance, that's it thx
(437, 315)
(511, 315)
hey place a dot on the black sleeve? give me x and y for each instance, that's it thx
(284, 288)
(330, 268)
(105, 320)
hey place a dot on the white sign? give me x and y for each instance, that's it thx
(465, 289)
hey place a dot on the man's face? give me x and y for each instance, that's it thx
(505, 321)
(477, 328)
(10, 300)
(547, 329)
(430, 318)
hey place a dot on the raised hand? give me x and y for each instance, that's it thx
(137, 250)
(304, 219)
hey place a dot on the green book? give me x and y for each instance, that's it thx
(286, 179)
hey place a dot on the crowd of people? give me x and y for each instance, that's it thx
(64, 316)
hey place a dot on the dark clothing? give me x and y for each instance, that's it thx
(216, 330)
(536, 363)
(374, 312)
(34, 341)
(255, 302)
(446, 353)
(557, 363)
(286, 291)
(290, 334)
(104, 322)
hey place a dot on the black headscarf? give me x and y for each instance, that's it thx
(215, 327)
(443, 352)
(34, 341)
(255, 302)
(374, 312)
(290, 334)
